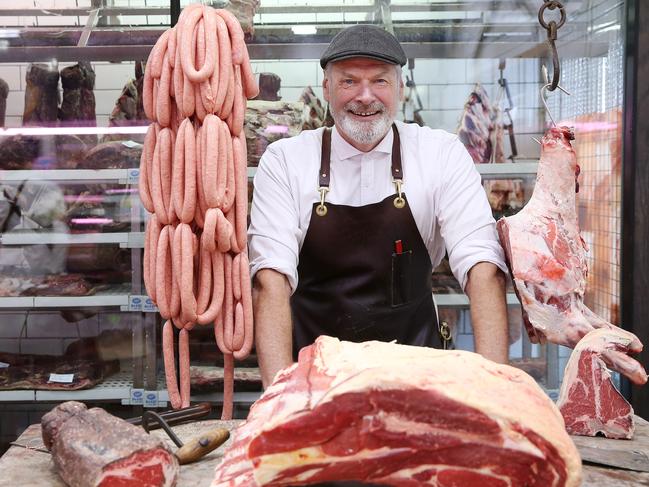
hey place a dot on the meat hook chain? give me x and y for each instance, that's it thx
(552, 27)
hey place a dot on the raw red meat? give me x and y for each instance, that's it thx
(27, 371)
(547, 257)
(399, 415)
(93, 448)
(589, 402)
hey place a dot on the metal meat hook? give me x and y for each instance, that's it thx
(544, 89)
(552, 28)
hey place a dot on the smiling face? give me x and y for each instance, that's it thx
(363, 96)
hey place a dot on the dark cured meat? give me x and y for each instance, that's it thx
(111, 155)
(41, 95)
(139, 86)
(18, 152)
(78, 105)
(4, 92)
(32, 372)
(93, 448)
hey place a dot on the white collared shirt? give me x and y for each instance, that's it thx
(443, 188)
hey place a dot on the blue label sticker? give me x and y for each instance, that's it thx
(149, 306)
(151, 399)
(133, 176)
(137, 396)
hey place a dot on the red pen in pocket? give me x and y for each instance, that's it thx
(398, 247)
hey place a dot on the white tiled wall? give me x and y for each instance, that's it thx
(443, 86)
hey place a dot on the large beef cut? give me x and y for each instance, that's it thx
(589, 401)
(547, 257)
(400, 415)
(78, 105)
(93, 448)
(41, 95)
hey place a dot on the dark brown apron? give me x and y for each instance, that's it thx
(364, 271)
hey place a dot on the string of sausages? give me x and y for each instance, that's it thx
(193, 181)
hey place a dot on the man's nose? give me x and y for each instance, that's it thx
(366, 95)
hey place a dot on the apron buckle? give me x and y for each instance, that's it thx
(321, 209)
(399, 202)
(445, 333)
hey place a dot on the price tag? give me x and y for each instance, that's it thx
(62, 378)
(150, 399)
(133, 176)
(137, 397)
(3, 365)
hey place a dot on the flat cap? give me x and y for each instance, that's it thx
(364, 40)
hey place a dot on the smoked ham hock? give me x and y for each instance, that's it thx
(546, 257)
(399, 415)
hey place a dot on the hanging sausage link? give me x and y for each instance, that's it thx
(193, 181)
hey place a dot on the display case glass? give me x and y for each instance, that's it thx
(71, 224)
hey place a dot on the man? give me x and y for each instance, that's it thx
(337, 248)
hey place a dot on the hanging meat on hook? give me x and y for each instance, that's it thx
(547, 258)
(193, 180)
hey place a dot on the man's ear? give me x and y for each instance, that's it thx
(325, 87)
(401, 91)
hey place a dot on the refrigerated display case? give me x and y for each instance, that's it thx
(72, 245)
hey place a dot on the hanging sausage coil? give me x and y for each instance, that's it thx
(193, 181)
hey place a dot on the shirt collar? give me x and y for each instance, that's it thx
(344, 150)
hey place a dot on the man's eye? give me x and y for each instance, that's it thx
(348, 82)
(382, 81)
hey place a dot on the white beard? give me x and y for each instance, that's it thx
(364, 133)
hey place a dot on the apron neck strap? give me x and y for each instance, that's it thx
(397, 171)
(325, 157)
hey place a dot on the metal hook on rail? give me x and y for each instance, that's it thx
(548, 87)
(552, 28)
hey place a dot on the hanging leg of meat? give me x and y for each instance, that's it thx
(547, 257)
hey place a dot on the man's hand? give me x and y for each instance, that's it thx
(273, 328)
(486, 290)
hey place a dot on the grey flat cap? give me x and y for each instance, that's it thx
(364, 40)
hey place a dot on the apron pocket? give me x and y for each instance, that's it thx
(401, 282)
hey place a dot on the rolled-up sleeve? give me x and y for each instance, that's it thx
(464, 215)
(273, 235)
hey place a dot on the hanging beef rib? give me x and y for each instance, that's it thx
(399, 415)
(589, 402)
(547, 257)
